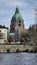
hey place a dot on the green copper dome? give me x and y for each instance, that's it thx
(17, 15)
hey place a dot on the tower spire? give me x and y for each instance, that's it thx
(17, 10)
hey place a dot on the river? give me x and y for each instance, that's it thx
(18, 59)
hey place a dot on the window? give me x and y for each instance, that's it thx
(4, 30)
(1, 35)
(0, 30)
(19, 23)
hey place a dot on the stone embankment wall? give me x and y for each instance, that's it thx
(14, 48)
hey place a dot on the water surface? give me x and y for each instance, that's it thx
(18, 59)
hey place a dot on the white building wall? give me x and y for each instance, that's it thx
(3, 39)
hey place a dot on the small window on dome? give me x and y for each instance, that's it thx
(19, 21)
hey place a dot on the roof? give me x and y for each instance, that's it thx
(17, 15)
(11, 34)
(3, 27)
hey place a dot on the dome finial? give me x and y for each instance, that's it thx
(17, 9)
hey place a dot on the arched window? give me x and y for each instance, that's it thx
(19, 23)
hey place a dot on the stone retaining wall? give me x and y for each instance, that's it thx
(13, 48)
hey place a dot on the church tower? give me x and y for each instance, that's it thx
(17, 22)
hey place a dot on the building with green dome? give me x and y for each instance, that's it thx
(17, 25)
(17, 22)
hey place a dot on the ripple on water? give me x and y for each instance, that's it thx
(18, 59)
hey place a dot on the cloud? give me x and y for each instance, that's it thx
(11, 3)
(5, 22)
(26, 7)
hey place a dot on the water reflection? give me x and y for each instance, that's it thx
(18, 59)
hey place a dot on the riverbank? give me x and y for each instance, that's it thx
(18, 49)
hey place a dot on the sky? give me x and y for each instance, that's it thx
(26, 8)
